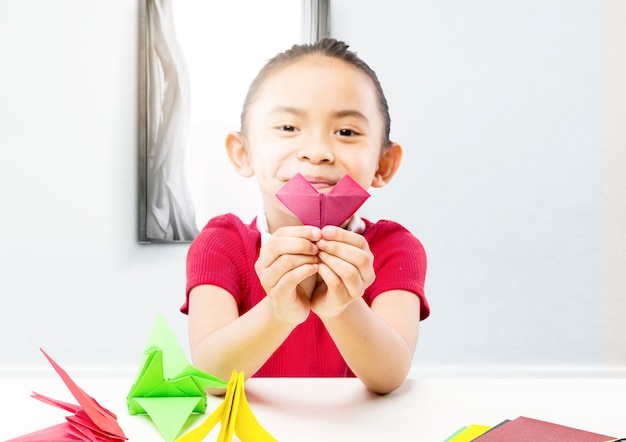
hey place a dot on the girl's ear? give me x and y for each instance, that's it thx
(238, 154)
(388, 164)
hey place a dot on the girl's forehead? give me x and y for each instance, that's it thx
(315, 62)
(317, 71)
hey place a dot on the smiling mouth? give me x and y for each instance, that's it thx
(320, 183)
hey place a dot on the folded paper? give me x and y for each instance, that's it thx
(468, 433)
(235, 416)
(524, 429)
(90, 421)
(318, 209)
(168, 388)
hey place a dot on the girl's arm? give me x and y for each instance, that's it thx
(378, 343)
(221, 341)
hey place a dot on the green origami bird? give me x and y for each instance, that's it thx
(168, 388)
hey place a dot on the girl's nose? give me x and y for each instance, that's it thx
(317, 153)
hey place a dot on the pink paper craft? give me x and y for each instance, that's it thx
(90, 422)
(318, 209)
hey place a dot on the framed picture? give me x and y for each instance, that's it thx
(196, 61)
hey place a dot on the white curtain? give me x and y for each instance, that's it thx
(170, 211)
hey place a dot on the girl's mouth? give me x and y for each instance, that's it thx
(320, 183)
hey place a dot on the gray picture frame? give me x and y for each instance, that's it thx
(165, 210)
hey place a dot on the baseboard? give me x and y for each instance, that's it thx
(516, 372)
(415, 372)
(74, 372)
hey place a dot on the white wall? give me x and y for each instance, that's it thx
(74, 279)
(615, 182)
(499, 107)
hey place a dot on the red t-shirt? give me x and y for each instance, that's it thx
(224, 253)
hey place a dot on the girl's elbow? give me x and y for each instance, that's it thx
(216, 391)
(385, 388)
(386, 384)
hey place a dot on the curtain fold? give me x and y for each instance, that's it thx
(170, 210)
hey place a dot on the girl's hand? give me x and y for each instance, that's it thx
(286, 266)
(346, 269)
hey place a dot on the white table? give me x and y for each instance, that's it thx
(301, 410)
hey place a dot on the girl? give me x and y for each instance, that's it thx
(278, 298)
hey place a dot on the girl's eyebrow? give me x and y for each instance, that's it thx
(287, 110)
(351, 113)
(337, 114)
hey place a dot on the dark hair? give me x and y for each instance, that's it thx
(327, 47)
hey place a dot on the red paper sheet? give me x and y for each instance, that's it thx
(524, 429)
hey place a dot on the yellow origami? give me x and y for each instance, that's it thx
(235, 416)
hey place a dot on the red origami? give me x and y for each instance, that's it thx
(90, 422)
(319, 209)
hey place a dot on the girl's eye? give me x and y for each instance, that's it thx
(287, 128)
(346, 132)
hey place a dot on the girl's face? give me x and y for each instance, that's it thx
(317, 116)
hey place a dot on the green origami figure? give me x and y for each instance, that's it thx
(168, 388)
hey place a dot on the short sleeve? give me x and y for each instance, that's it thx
(219, 256)
(399, 262)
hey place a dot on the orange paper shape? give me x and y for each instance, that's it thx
(318, 209)
(235, 416)
(90, 422)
